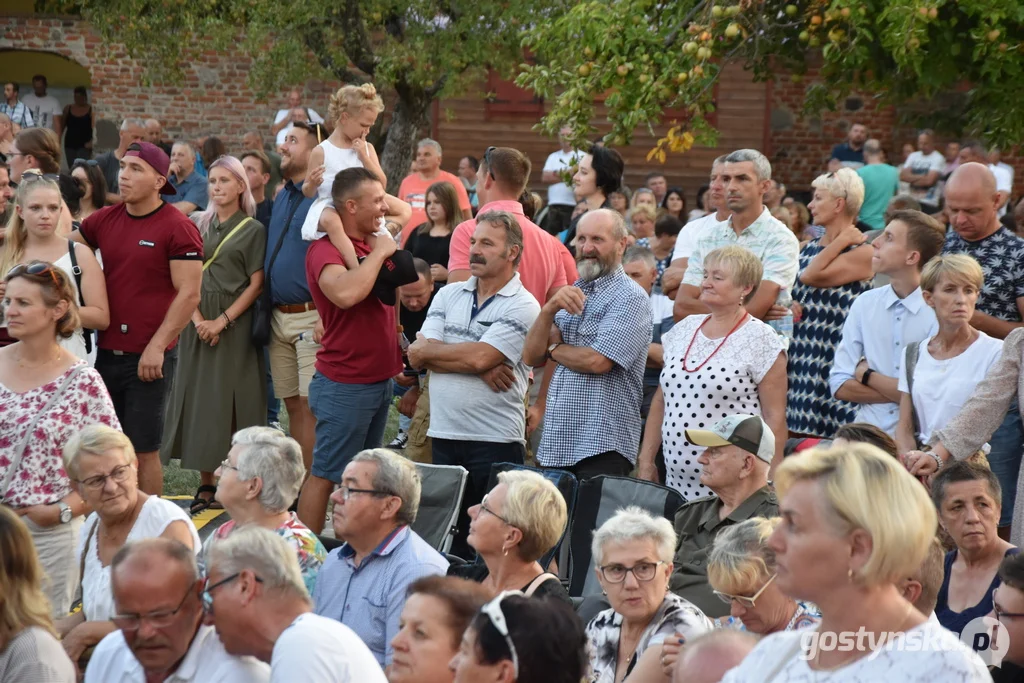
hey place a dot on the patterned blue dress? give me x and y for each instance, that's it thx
(810, 408)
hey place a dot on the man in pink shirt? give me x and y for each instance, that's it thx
(547, 265)
(413, 189)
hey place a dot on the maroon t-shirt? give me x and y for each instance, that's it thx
(137, 252)
(360, 344)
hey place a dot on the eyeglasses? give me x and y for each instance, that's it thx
(161, 619)
(207, 594)
(642, 571)
(226, 465)
(119, 474)
(487, 160)
(347, 491)
(497, 617)
(749, 603)
(35, 268)
(484, 508)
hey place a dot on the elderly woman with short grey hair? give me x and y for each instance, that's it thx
(742, 570)
(259, 480)
(633, 559)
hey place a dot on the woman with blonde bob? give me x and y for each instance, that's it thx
(518, 521)
(834, 269)
(29, 649)
(938, 375)
(742, 572)
(854, 524)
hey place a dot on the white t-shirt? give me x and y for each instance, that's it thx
(560, 193)
(282, 113)
(205, 662)
(316, 649)
(691, 232)
(43, 109)
(930, 654)
(922, 165)
(1004, 183)
(661, 307)
(942, 386)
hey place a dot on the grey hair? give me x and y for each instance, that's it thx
(276, 459)
(618, 226)
(427, 142)
(397, 476)
(139, 123)
(719, 160)
(262, 551)
(97, 439)
(635, 524)
(643, 254)
(184, 143)
(873, 147)
(762, 166)
(975, 146)
(149, 121)
(926, 131)
(513, 231)
(740, 554)
(168, 548)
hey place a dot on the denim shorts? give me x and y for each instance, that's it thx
(349, 418)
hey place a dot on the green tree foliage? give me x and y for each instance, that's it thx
(422, 50)
(648, 56)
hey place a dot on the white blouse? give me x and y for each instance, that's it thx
(154, 518)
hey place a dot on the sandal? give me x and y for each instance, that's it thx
(199, 503)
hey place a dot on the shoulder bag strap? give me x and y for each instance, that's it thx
(76, 270)
(536, 583)
(227, 237)
(19, 451)
(913, 353)
(85, 553)
(280, 242)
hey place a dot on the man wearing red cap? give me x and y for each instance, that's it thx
(152, 263)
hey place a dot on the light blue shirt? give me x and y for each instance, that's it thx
(369, 598)
(878, 328)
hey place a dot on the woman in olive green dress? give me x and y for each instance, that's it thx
(220, 385)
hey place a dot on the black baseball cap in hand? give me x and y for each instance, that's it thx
(397, 270)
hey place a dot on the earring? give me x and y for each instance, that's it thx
(505, 552)
(849, 574)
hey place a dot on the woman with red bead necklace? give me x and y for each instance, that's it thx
(715, 365)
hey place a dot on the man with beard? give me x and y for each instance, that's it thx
(159, 615)
(473, 341)
(597, 331)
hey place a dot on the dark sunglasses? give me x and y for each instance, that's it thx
(85, 162)
(36, 268)
(31, 176)
(487, 160)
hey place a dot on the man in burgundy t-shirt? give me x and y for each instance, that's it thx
(152, 263)
(350, 394)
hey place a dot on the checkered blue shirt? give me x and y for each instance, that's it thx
(19, 114)
(590, 414)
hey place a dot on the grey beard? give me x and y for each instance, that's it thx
(591, 269)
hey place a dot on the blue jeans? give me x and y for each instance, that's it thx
(477, 457)
(403, 420)
(1004, 459)
(349, 418)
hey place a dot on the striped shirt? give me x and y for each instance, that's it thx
(589, 414)
(368, 598)
(19, 113)
(35, 656)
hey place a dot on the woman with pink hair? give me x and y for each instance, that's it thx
(220, 386)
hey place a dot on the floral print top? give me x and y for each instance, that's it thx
(40, 478)
(311, 552)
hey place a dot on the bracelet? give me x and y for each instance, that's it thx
(231, 323)
(938, 460)
(865, 376)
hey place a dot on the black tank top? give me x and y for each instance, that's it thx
(79, 129)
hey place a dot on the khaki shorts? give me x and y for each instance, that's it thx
(291, 358)
(419, 447)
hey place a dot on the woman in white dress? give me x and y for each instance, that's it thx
(854, 524)
(102, 463)
(715, 365)
(947, 367)
(32, 236)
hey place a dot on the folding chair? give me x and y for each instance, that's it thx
(566, 484)
(441, 491)
(598, 499)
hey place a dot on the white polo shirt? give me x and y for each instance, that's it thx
(316, 649)
(205, 662)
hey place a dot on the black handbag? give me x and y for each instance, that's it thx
(263, 307)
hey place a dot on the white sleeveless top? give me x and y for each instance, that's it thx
(154, 518)
(76, 342)
(336, 160)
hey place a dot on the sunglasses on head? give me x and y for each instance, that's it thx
(487, 160)
(31, 175)
(497, 619)
(36, 268)
(85, 162)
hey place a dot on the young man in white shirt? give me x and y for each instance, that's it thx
(884, 320)
(257, 600)
(159, 616)
(561, 200)
(283, 118)
(45, 109)
(923, 171)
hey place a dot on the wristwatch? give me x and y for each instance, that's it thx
(65, 512)
(551, 349)
(865, 376)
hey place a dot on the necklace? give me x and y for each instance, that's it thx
(22, 364)
(717, 348)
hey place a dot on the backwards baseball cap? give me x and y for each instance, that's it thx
(155, 157)
(749, 432)
(397, 270)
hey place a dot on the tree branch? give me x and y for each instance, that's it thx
(355, 40)
(313, 38)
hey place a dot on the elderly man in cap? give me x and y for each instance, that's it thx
(153, 266)
(350, 393)
(739, 449)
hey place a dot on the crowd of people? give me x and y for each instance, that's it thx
(829, 391)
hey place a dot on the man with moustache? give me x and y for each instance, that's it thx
(159, 615)
(473, 342)
(597, 331)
